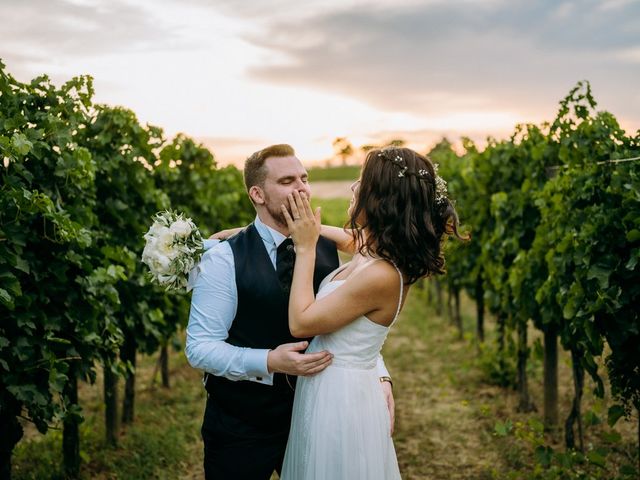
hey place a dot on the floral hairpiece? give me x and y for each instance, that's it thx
(441, 185)
(422, 174)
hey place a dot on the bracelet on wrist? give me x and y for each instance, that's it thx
(386, 379)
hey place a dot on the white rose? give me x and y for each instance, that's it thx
(149, 246)
(148, 254)
(157, 264)
(165, 245)
(162, 264)
(156, 230)
(181, 228)
(150, 251)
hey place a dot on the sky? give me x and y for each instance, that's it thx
(239, 75)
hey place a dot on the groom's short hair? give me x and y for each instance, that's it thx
(255, 171)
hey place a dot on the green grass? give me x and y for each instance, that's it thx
(446, 413)
(163, 442)
(347, 172)
(334, 210)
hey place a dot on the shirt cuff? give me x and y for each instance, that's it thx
(255, 363)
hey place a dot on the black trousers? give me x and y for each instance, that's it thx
(234, 449)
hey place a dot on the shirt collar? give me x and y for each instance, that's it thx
(268, 234)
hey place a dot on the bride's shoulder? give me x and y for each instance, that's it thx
(380, 276)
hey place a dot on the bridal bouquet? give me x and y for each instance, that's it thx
(173, 247)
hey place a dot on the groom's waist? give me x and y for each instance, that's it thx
(254, 402)
(282, 384)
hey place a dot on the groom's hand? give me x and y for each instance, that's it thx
(288, 358)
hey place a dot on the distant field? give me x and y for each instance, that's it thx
(349, 172)
(331, 189)
(334, 210)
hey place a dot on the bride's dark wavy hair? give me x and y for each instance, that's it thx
(396, 216)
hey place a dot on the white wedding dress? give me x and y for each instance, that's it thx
(340, 428)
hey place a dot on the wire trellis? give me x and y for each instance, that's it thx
(551, 171)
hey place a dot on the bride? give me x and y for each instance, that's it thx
(399, 216)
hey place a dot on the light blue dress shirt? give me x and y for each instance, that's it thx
(213, 307)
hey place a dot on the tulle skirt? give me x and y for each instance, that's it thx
(340, 428)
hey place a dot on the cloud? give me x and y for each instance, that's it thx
(631, 54)
(234, 149)
(306, 72)
(460, 56)
(47, 31)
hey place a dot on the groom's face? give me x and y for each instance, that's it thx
(284, 176)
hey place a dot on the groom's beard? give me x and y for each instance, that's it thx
(277, 215)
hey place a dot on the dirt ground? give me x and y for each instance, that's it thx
(445, 411)
(334, 189)
(438, 434)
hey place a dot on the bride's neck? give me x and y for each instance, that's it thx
(364, 257)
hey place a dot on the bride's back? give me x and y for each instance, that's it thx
(357, 344)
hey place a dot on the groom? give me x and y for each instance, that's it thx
(238, 329)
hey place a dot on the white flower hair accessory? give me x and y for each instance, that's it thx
(391, 154)
(441, 185)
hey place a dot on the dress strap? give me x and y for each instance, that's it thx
(401, 292)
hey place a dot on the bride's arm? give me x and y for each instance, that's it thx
(361, 295)
(224, 234)
(343, 239)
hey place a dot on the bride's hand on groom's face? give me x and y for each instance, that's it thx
(304, 224)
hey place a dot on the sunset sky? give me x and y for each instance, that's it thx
(240, 75)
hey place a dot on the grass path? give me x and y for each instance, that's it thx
(445, 415)
(437, 435)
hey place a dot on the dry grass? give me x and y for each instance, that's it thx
(437, 433)
(445, 414)
(162, 443)
(446, 411)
